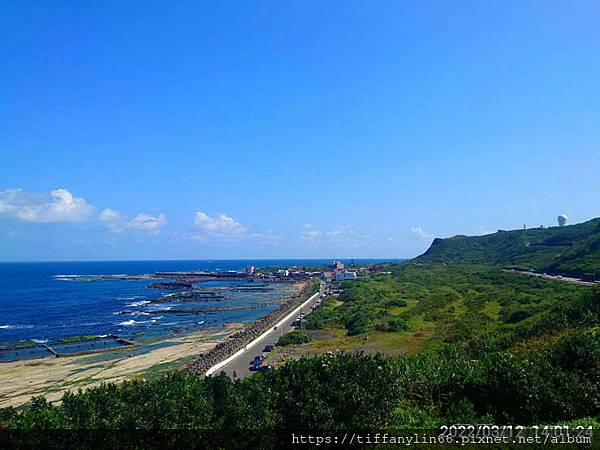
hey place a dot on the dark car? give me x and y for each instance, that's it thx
(264, 368)
(269, 348)
(257, 359)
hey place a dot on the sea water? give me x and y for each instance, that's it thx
(44, 302)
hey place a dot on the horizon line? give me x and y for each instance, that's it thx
(205, 260)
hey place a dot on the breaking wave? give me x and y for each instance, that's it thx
(140, 303)
(128, 323)
(15, 327)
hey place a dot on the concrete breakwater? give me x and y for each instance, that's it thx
(64, 347)
(238, 340)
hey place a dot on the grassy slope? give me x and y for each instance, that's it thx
(574, 249)
(444, 305)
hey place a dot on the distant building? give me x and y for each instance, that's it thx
(338, 265)
(343, 275)
(250, 270)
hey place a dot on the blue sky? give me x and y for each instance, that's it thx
(164, 130)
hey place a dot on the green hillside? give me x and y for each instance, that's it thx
(571, 250)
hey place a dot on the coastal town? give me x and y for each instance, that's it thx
(336, 271)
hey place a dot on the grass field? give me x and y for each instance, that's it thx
(429, 306)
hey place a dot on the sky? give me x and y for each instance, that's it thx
(269, 129)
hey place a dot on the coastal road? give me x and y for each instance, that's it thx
(240, 361)
(552, 277)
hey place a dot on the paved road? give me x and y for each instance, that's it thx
(552, 277)
(241, 363)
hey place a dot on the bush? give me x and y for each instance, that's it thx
(295, 337)
(396, 302)
(323, 316)
(518, 316)
(393, 324)
(359, 323)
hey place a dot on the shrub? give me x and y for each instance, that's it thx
(359, 323)
(295, 337)
(393, 324)
(518, 316)
(396, 302)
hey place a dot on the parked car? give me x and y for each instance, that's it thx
(264, 368)
(255, 367)
(269, 348)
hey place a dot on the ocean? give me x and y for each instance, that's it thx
(41, 302)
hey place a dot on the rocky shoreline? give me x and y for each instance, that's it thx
(171, 285)
(241, 338)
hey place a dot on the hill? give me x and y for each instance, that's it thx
(571, 250)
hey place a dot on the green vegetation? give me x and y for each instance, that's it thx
(453, 304)
(77, 338)
(24, 343)
(439, 344)
(571, 250)
(501, 348)
(295, 337)
(549, 383)
(318, 318)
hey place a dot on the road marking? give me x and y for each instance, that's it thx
(244, 349)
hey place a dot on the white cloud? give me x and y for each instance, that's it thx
(224, 228)
(341, 232)
(421, 233)
(112, 219)
(221, 224)
(147, 222)
(116, 223)
(51, 207)
(110, 215)
(309, 234)
(60, 205)
(338, 236)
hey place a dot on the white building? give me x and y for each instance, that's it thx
(345, 275)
